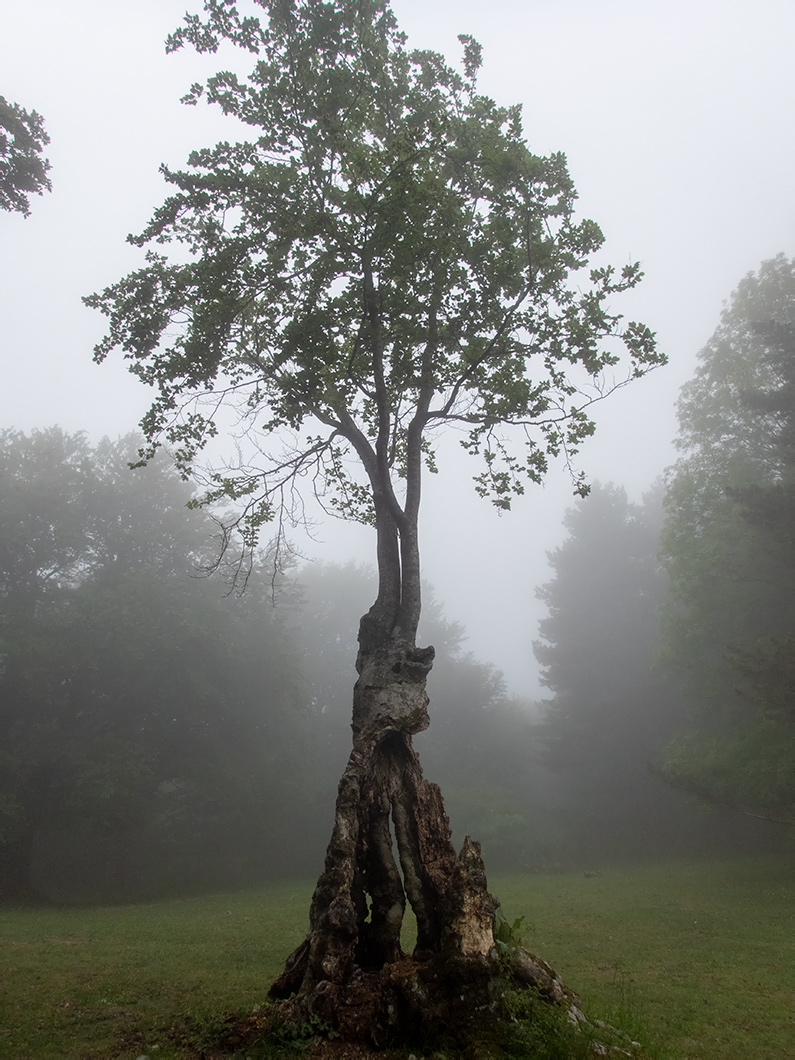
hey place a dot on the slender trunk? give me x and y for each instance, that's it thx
(376, 626)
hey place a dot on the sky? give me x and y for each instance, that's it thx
(676, 119)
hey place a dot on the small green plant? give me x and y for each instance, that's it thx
(622, 1010)
(200, 1031)
(507, 936)
(300, 1035)
(533, 1027)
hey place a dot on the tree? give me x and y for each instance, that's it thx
(382, 257)
(613, 710)
(149, 726)
(728, 546)
(23, 171)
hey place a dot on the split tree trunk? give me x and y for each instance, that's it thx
(350, 970)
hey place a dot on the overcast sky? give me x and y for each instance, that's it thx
(677, 120)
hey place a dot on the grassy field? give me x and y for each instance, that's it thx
(696, 958)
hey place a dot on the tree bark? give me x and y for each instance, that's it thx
(390, 844)
(358, 906)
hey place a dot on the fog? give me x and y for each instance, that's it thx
(675, 118)
(161, 738)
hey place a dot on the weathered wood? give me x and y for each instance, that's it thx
(350, 969)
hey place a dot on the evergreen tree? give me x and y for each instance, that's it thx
(612, 709)
(728, 545)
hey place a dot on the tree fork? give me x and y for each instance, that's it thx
(386, 236)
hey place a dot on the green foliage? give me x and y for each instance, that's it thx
(612, 709)
(381, 256)
(299, 1036)
(532, 1027)
(507, 935)
(146, 719)
(728, 548)
(23, 171)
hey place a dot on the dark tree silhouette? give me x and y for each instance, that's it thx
(728, 547)
(150, 725)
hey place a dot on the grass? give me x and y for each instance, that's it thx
(122, 981)
(698, 959)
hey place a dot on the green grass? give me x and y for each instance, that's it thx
(700, 957)
(697, 958)
(118, 981)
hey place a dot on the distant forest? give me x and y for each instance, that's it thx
(162, 734)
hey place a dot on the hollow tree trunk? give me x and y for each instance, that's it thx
(350, 971)
(340, 971)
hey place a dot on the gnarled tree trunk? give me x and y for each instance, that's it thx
(350, 970)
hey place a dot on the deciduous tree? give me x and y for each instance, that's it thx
(23, 170)
(381, 257)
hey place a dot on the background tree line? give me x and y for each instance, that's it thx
(670, 642)
(135, 697)
(151, 722)
(160, 733)
(728, 547)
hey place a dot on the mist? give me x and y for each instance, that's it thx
(163, 734)
(670, 116)
(587, 636)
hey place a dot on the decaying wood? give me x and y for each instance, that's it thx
(350, 971)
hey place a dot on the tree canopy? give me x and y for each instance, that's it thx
(381, 257)
(23, 170)
(150, 728)
(728, 548)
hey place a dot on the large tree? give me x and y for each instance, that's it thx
(381, 257)
(613, 709)
(728, 547)
(152, 733)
